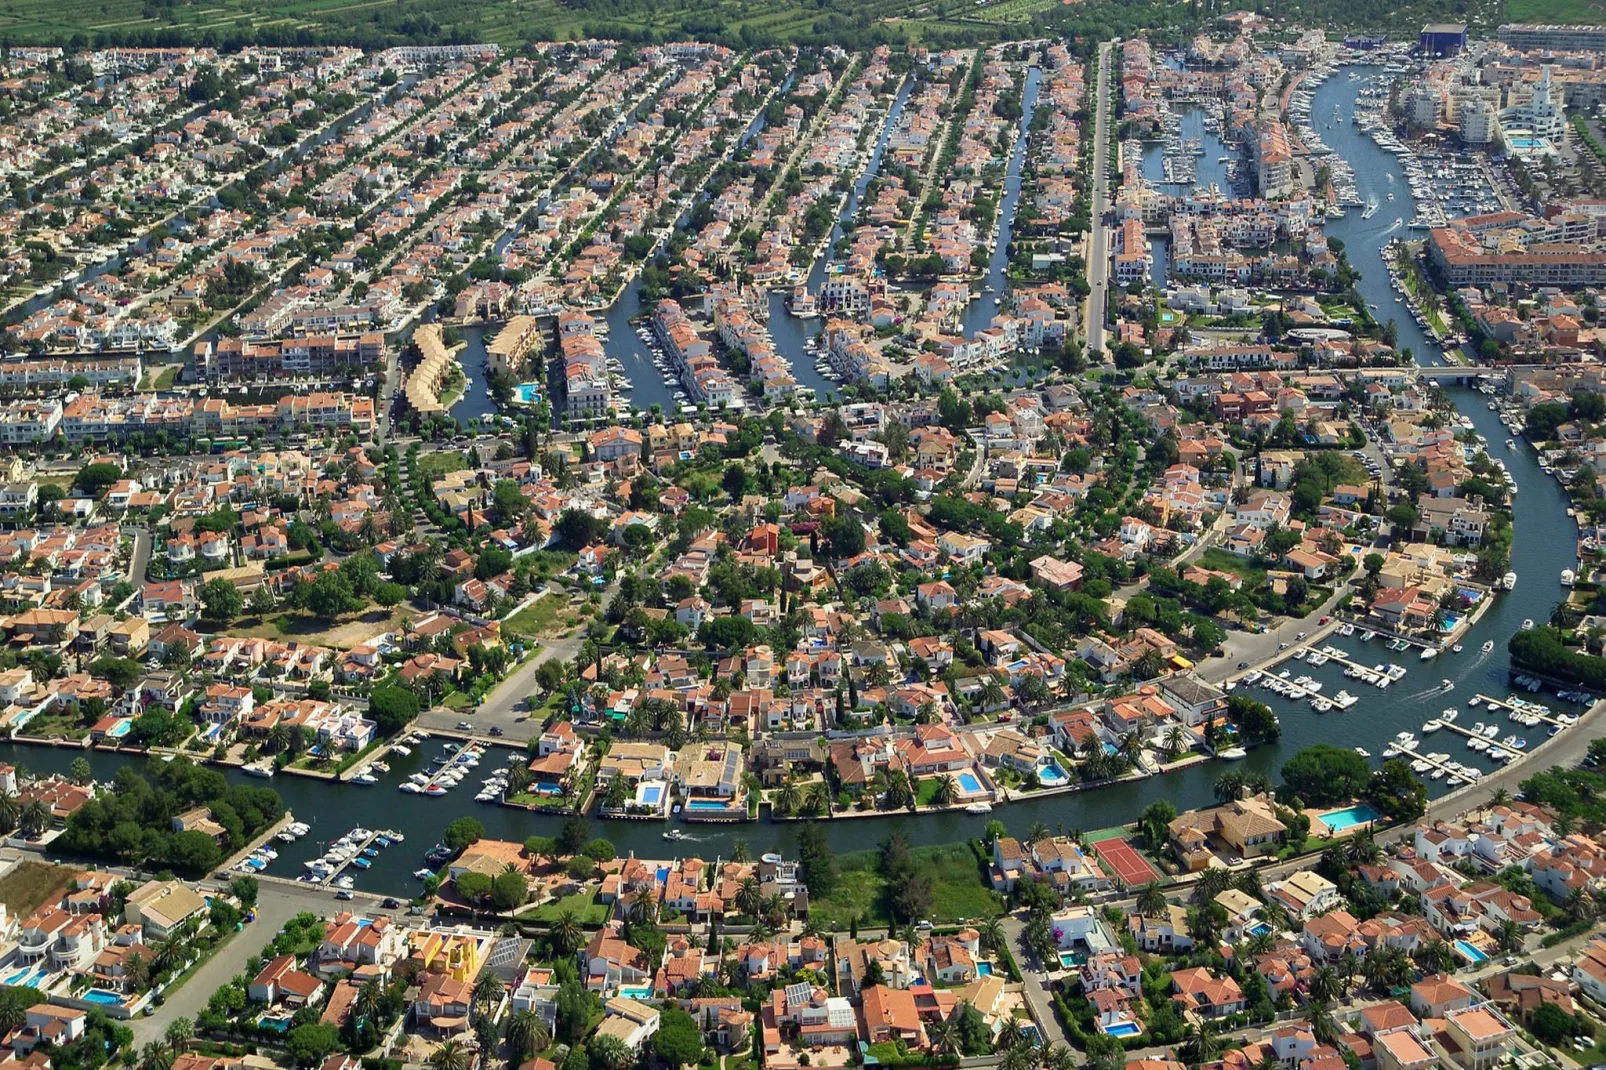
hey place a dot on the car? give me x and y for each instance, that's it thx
(496, 730)
(464, 726)
(415, 909)
(390, 902)
(1235, 860)
(1243, 665)
(1324, 620)
(345, 894)
(1282, 646)
(1301, 635)
(1509, 960)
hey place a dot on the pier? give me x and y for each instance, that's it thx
(333, 875)
(1534, 709)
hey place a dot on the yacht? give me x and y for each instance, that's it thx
(1567, 577)
(263, 768)
(1233, 754)
(1363, 752)
(1432, 726)
(1509, 581)
(423, 874)
(979, 808)
(1428, 652)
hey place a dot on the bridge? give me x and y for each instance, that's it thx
(1459, 373)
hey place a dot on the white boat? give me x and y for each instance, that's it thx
(1363, 752)
(262, 769)
(1233, 754)
(1428, 652)
(1432, 726)
(1489, 646)
(364, 779)
(1367, 637)
(402, 750)
(1527, 623)
(979, 808)
(674, 834)
(1567, 577)
(423, 874)
(411, 788)
(1449, 716)
(1509, 581)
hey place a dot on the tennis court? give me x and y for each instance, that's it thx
(1130, 868)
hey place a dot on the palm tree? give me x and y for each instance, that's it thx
(450, 1056)
(1009, 1034)
(527, 1033)
(1323, 985)
(180, 1031)
(1198, 1043)
(168, 956)
(748, 897)
(154, 1056)
(1174, 744)
(817, 800)
(788, 797)
(35, 818)
(366, 1003)
(488, 988)
(1321, 1020)
(991, 935)
(1152, 901)
(1501, 797)
(1058, 1057)
(567, 936)
(1038, 831)
(943, 1035)
(947, 791)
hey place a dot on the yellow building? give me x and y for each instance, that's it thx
(458, 955)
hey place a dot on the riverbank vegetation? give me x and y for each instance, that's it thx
(133, 822)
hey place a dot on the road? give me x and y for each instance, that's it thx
(140, 559)
(505, 707)
(1098, 268)
(1034, 984)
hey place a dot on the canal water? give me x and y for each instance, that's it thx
(1544, 546)
(979, 315)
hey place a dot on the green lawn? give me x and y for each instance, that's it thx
(959, 891)
(434, 465)
(1219, 560)
(586, 908)
(927, 792)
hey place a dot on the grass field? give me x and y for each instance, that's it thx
(538, 618)
(959, 891)
(342, 633)
(584, 906)
(31, 885)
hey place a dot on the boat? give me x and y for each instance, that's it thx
(423, 874)
(436, 790)
(262, 769)
(1432, 726)
(1567, 577)
(674, 834)
(1363, 752)
(1508, 582)
(1367, 637)
(1233, 754)
(1527, 624)
(411, 788)
(360, 862)
(402, 750)
(1447, 684)
(1488, 647)
(364, 779)
(1428, 652)
(979, 808)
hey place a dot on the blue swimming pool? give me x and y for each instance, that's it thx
(707, 804)
(651, 794)
(1471, 953)
(636, 991)
(549, 789)
(984, 969)
(1349, 817)
(527, 393)
(1070, 960)
(1051, 774)
(101, 996)
(1524, 142)
(1122, 1029)
(1259, 928)
(969, 784)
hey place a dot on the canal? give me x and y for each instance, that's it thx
(979, 315)
(1544, 546)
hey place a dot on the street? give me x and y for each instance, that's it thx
(1098, 266)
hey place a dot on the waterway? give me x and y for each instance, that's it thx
(1211, 171)
(979, 315)
(1544, 546)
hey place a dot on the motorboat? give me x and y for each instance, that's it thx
(365, 779)
(1457, 648)
(411, 788)
(1363, 752)
(1449, 716)
(1527, 624)
(1567, 577)
(979, 808)
(1432, 726)
(1509, 581)
(423, 874)
(1428, 652)
(1233, 754)
(263, 768)
(1488, 647)
(674, 834)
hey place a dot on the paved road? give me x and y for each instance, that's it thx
(505, 707)
(140, 559)
(1034, 984)
(1098, 269)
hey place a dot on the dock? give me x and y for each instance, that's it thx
(1414, 755)
(335, 873)
(1541, 712)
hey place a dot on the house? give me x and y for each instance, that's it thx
(1478, 1038)
(162, 907)
(1203, 993)
(281, 982)
(629, 1022)
(443, 1003)
(890, 1015)
(1438, 994)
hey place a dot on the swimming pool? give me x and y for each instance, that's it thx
(101, 996)
(707, 804)
(636, 991)
(1049, 772)
(1349, 817)
(1122, 1029)
(1524, 142)
(1070, 960)
(969, 784)
(1259, 928)
(527, 393)
(549, 789)
(651, 794)
(984, 969)
(1471, 953)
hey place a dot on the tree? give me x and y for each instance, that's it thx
(309, 1045)
(463, 833)
(1152, 902)
(818, 861)
(567, 935)
(679, 1040)
(604, 1053)
(245, 889)
(1324, 773)
(180, 1031)
(527, 1033)
(221, 600)
(450, 1056)
(1397, 791)
(1553, 1025)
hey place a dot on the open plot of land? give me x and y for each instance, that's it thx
(344, 632)
(958, 890)
(540, 617)
(31, 885)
